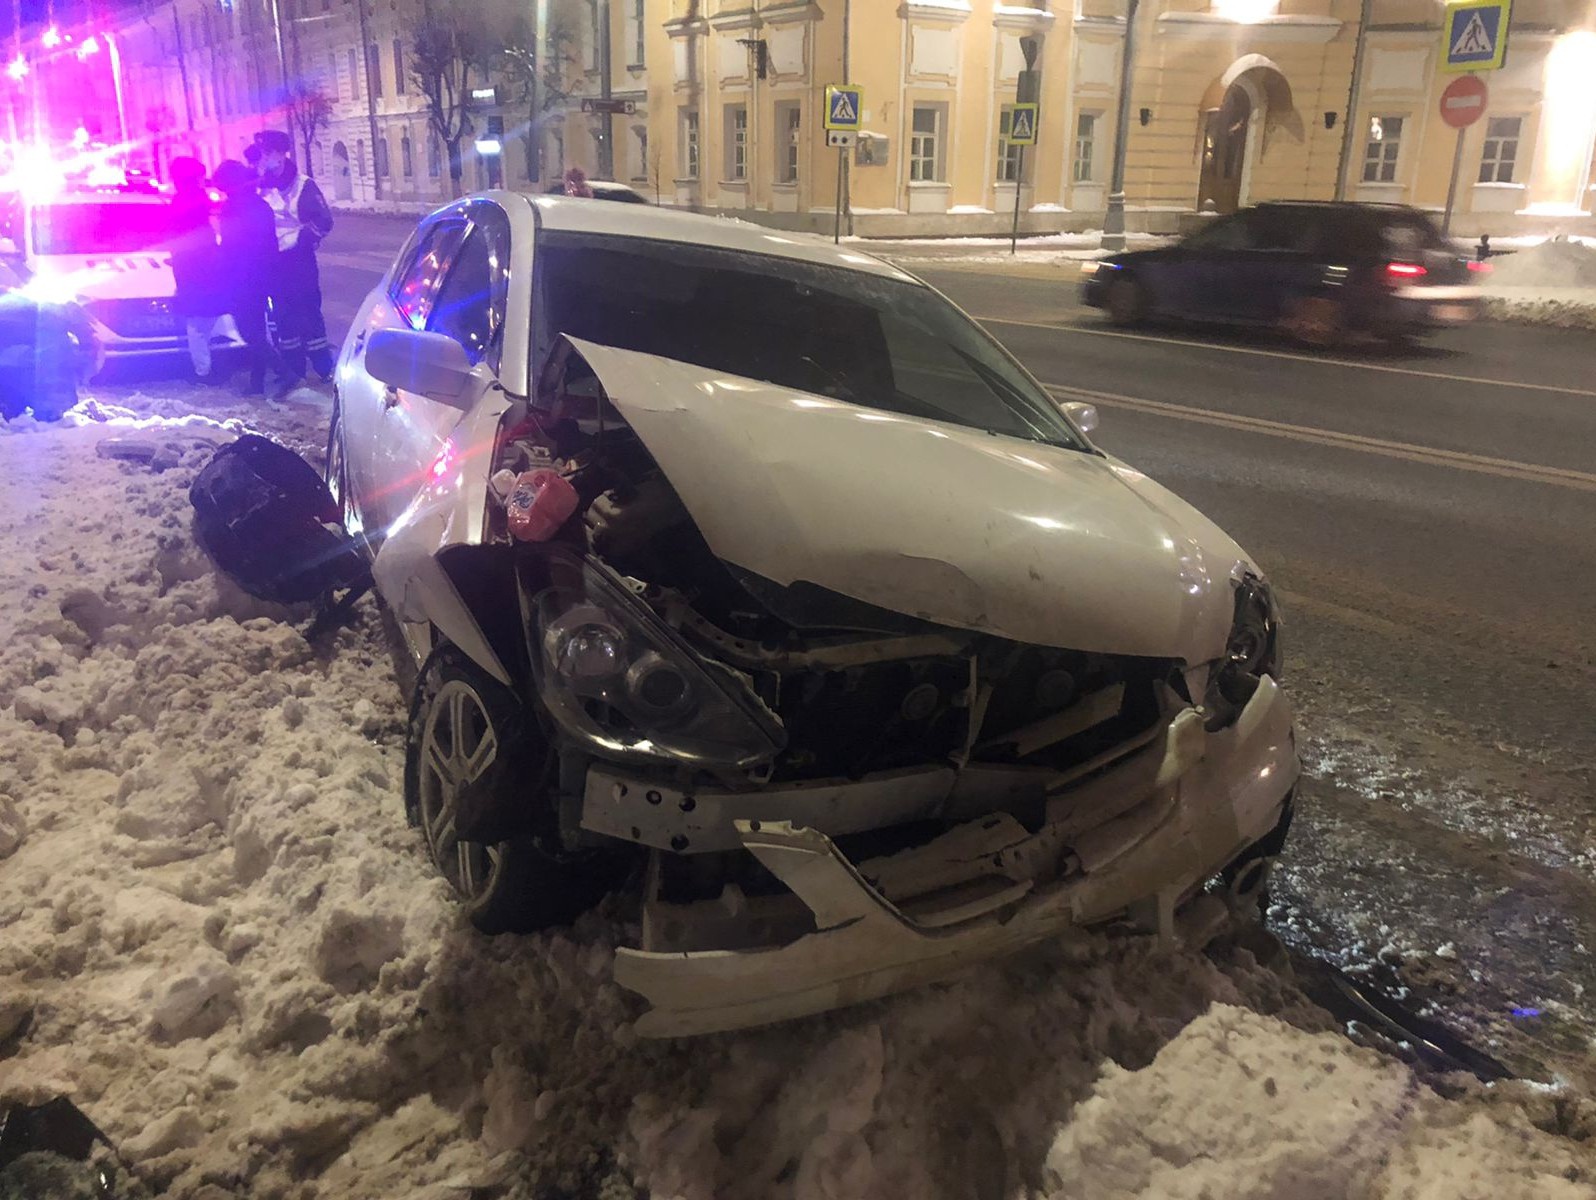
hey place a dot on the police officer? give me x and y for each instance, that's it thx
(302, 219)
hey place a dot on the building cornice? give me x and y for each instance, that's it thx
(1284, 27)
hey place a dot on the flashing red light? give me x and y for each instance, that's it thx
(442, 465)
(1405, 270)
(1480, 268)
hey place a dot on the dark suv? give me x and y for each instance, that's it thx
(1317, 271)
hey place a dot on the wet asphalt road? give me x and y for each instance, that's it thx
(1429, 517)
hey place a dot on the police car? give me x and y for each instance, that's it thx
(105, 248)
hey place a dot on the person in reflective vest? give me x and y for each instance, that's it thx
(302, 219)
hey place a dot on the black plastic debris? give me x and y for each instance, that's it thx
(53, 1151)
(269, 522)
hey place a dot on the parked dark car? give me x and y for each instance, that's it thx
(1317, 271)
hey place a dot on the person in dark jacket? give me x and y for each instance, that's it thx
(302, 220)
(195, 267)
(247, 253)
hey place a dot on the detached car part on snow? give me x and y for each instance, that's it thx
(870, 692)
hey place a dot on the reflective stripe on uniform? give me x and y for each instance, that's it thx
(285, 211)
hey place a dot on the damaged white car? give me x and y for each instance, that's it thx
(749, 572)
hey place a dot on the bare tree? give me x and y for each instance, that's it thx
(544, 82)
(449, 47)
(656, 166)
(309, 110)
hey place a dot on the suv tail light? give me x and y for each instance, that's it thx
(1479, 268)
(1402, 270)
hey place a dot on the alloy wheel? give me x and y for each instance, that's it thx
(458, 745)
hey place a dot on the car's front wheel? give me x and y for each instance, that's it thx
(474, 781)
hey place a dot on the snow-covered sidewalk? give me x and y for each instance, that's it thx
(219, 937)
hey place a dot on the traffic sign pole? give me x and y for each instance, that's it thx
(836, 220)
(844, 117)
(1451, 188)
(1019, 182)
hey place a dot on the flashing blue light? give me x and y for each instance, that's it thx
(1526, 1012)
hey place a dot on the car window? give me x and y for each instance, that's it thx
(1411, 233)
(882, 343)
(1226, 233)
(463, 307)
(416, 282)
(102, 228)
(1281, 229)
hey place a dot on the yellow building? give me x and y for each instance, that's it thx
(1232, 102)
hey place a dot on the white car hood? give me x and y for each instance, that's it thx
(1027, 541)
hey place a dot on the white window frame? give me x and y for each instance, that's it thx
(737, 143)
(639, 29)
(1083, 162)
(789, 126)
(1008, 153)
(1499, 152)
(690, 143)
(926, 151)
(1382, 155)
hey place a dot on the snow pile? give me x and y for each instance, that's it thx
(218, 935)
(1552, 283)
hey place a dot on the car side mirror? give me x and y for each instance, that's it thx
(429, 364)
(1084, 415)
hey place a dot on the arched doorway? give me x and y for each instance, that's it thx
(1225, 135)
(342, 187)
(1239, 113)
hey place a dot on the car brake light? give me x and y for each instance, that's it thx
(1479, 268)
(1404, 270)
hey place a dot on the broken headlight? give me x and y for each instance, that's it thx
(1252, 651)
(617, 678)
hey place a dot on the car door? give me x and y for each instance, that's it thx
(375, 464)
(1198, 281)
(1272, 264)
(467, 306)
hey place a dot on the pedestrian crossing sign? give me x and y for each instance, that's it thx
(1474, 35)
(1022, 125)
(844, 107)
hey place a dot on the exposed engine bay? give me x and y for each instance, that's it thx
(697, 707)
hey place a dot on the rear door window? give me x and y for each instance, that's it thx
(1410, 234)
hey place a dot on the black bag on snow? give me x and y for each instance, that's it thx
(269, 523)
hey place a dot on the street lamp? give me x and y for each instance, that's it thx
(1114, 217)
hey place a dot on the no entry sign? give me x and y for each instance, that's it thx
(1463, 101)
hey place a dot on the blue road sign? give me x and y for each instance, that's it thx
(1022, 125)
(1474, 35)
(844, 107)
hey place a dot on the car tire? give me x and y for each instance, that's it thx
(336, 473)
(471, 739)
(1126, 301)
(1318, 322)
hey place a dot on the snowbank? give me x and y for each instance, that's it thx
(217, 935)
(1550, 283)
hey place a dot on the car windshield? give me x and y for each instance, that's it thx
(855, 336)
(99, 228)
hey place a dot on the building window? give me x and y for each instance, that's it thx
(1085, 146)
(689, 143)
(640, 151)
(788, 119)
(360, 158)
(736, 141)
(434, 157)
(639, 27)
(379, 157)
(595, 31)
(354, 77)
(398, 67)
(1380, 152)
(1008, 163)
(407, 162)
(374, 71)
(1501, 149)
(925, 144)
(326, 6)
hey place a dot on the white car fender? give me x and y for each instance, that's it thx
(450, 510)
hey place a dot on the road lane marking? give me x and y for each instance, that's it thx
(1308, 358)
(1505, 468)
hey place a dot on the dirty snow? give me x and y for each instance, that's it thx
(1552, 282)
(220, 938)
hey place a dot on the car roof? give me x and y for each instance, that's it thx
(108, 196)
(566, 213)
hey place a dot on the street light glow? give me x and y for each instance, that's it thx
(52, 38)
(90, 45)
(17, 68)
(1247, 12)
(1568, 124)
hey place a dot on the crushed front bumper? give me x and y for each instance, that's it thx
(1183, 808)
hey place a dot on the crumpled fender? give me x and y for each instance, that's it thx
(450, 510)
